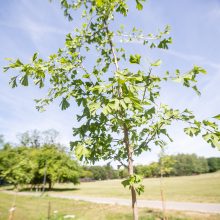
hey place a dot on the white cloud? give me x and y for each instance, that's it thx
(193, 58)
(33, 27)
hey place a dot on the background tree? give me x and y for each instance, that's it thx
(16, 166)
(26, 165)
(118, 95)
(188, 164)
(214, 164)
(151, 170)
(30, 138)
(36, 139)
(1, 140)
(56, 164)
(50, 136)
(166, 164)
(24, 138)
(123, 173)
(101, 172)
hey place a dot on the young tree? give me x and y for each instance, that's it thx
(166, 164)
(121, 115)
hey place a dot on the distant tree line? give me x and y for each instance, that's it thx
(104, 172)
(169, 165)
(179, 165)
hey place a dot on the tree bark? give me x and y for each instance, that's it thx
(131, 172)
(134, 203)
(50, 185)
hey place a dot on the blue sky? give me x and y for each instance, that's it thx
(28, 26)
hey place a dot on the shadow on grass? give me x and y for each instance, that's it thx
(27, 189)
(63, 189)
(46, 190)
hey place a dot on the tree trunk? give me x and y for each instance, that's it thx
(134, 204)
(131, 172)
(50, 185)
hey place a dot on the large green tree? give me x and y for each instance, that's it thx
(117, 92)
(16, 166)
(49, 164)
(53, 164)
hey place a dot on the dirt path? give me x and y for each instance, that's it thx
(181, 206)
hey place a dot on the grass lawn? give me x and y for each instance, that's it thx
(201, 188)
(36, 208)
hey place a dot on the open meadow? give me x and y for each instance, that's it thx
(200, 188)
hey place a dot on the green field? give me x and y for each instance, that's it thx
(36, 208)
(201, 188)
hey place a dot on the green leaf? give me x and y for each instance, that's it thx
(192, 131)
(81, 151)
(6, 68)
(126, 182)
(135, 59)
(164, 43)
(196, 90)
(140, 189)
(123, 104)
(106, 110)
(117, 103)
(215, 141)
(198, 69)
(24, 80)
(13, 82)
(40, 83)
(93, 107)
(150, 111)
(99, 3)
(86, 76)
(210, 124)
(217, 117)
(18, 63)
(34, 57)
(139, 6)
(156, 63)
(64, 104)
(127, 100)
